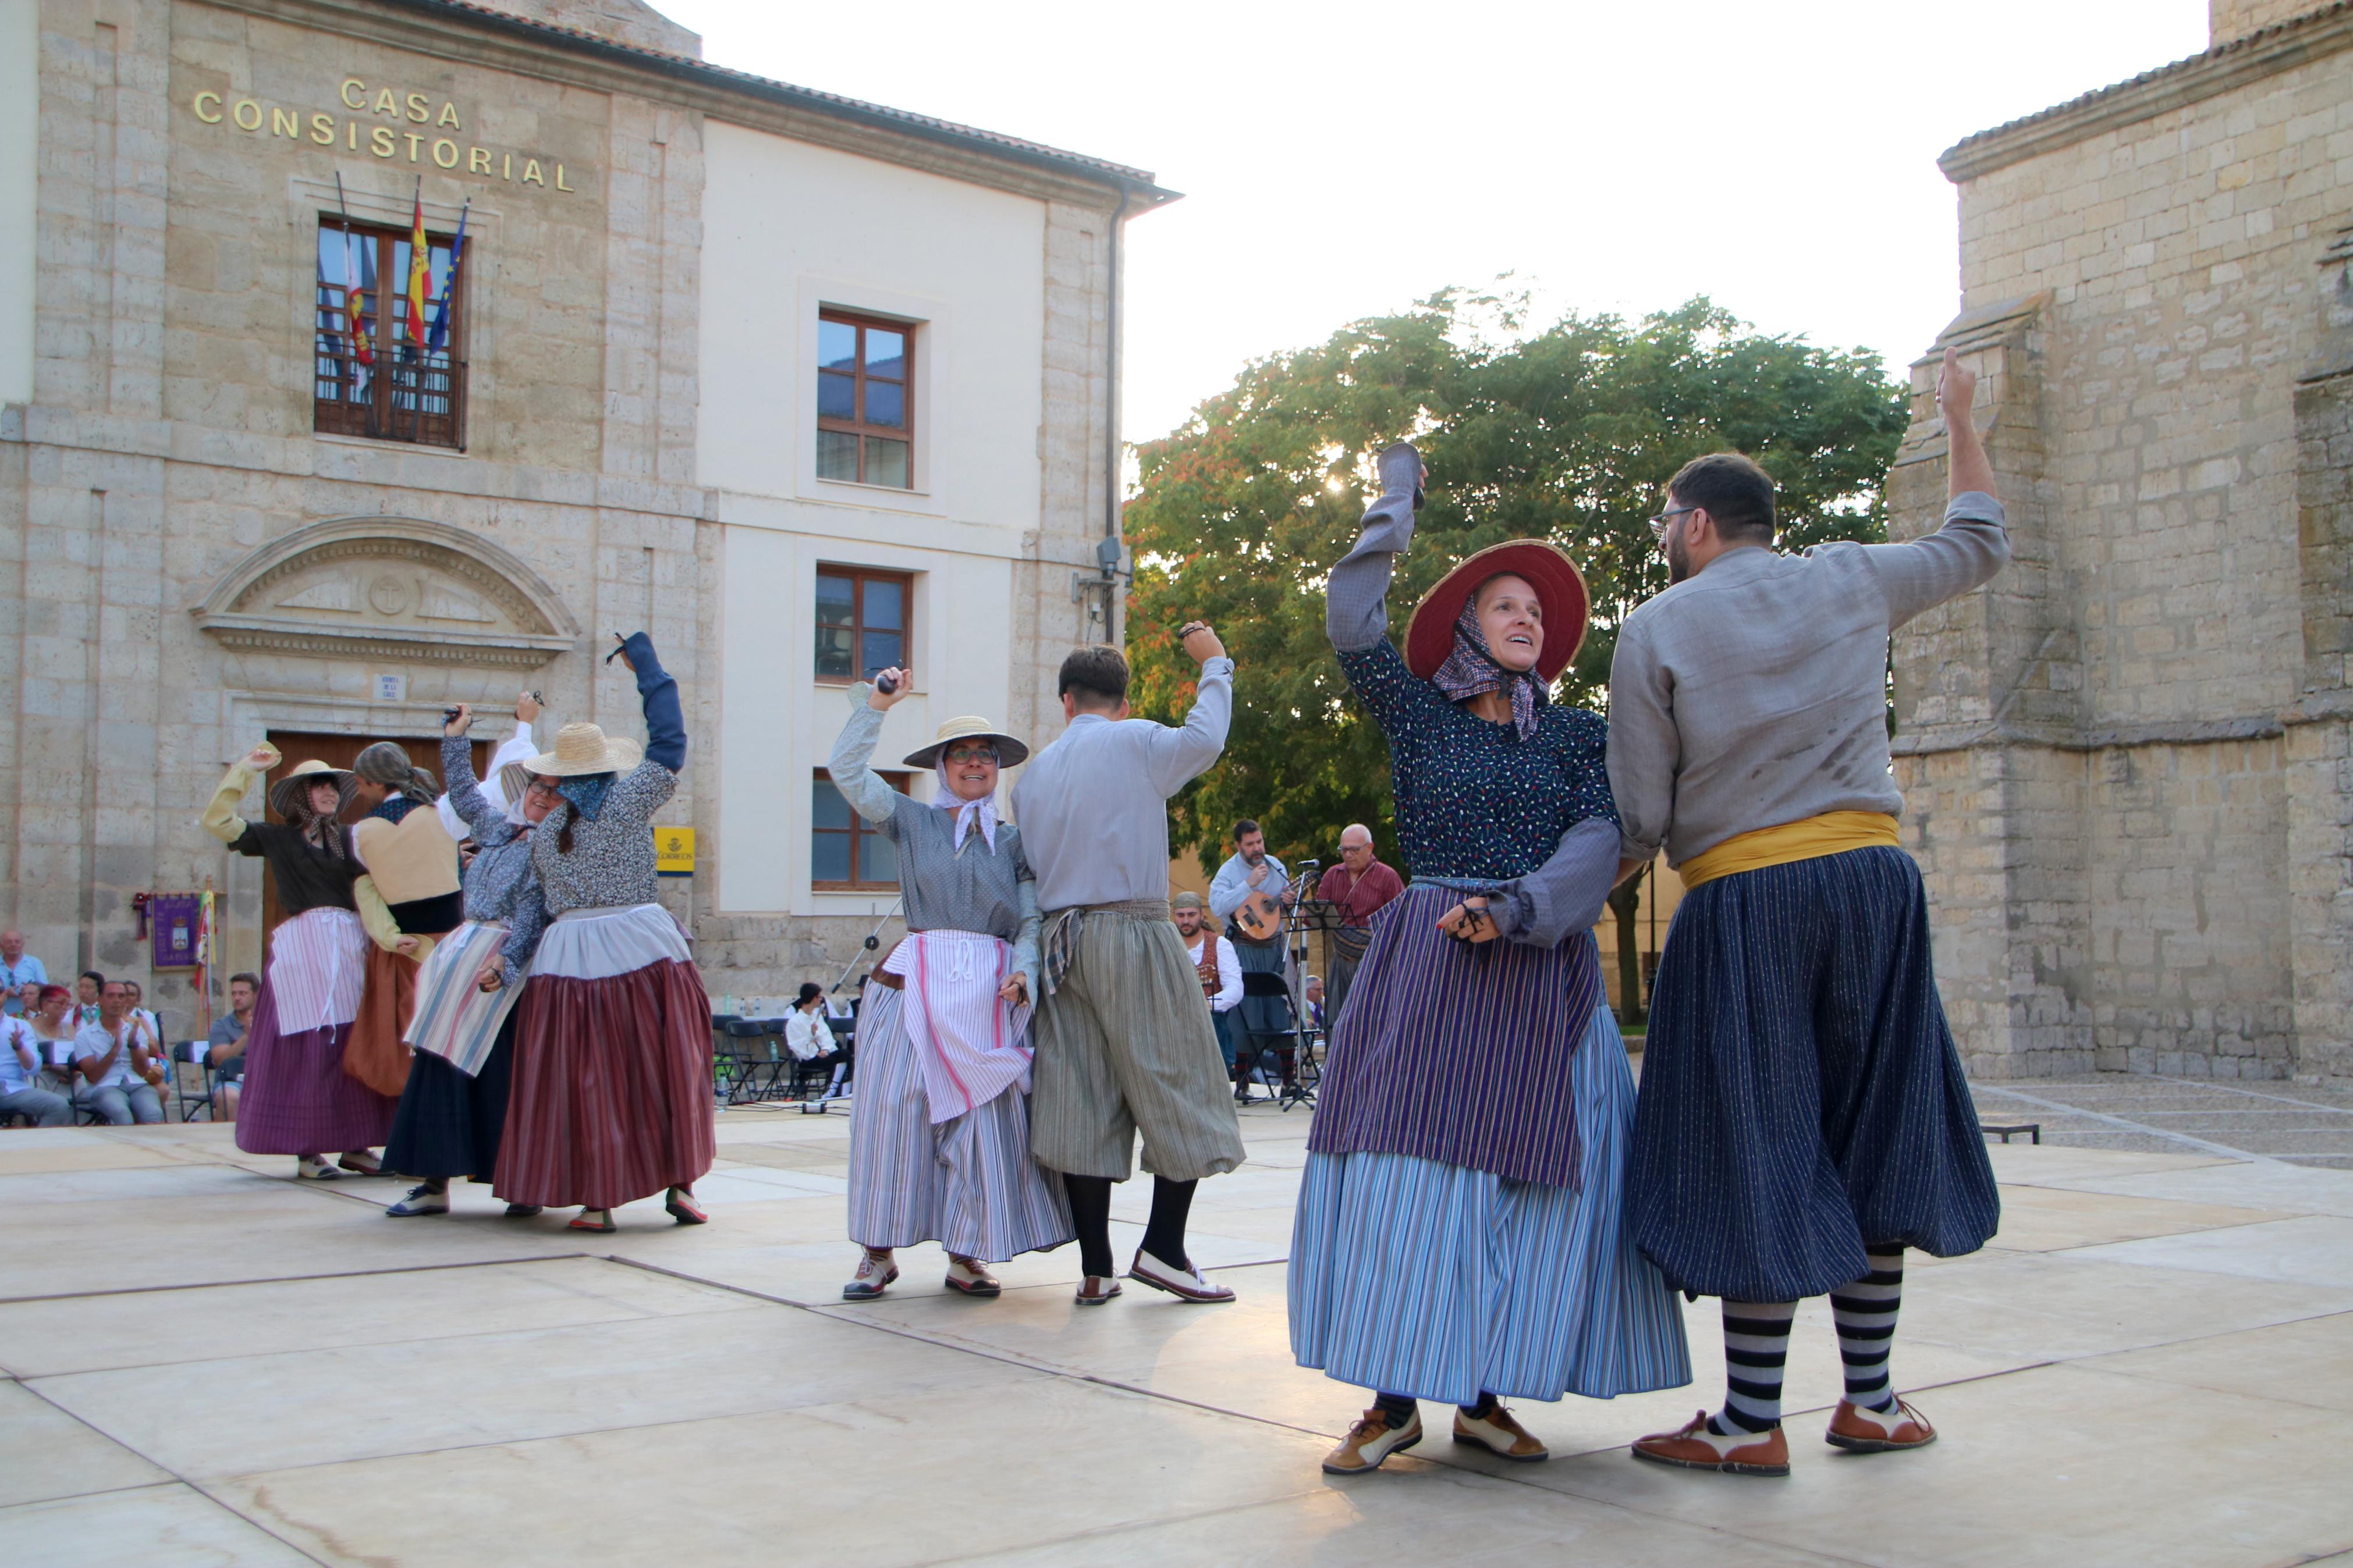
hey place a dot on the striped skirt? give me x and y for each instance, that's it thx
(456, 1019)
(1412, 1276)
(296, 1099)
(967, 1183)
(1801, 1097)
(611, 1100)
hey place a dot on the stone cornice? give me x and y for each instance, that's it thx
(2325, 31)
(1945, 739)
(474, 36)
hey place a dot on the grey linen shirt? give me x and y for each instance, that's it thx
(1754, 693)
(1093, 806)
(946, 888)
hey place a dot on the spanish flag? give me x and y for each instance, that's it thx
(420, 269)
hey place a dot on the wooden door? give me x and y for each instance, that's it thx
(339, 752)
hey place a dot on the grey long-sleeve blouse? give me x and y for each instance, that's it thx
(500, 884)
(948, 889)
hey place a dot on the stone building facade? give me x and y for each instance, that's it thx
(653, 249)
(2129, 763)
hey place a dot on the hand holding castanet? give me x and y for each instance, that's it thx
(1200, 644)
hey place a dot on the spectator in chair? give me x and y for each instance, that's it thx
(22, 1054)
(86, 993)
(53, 1020)
(120, 1075)
(18, 969)
(226, 1044)
(810, 1038)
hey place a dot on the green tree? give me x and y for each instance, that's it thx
(1569, 432)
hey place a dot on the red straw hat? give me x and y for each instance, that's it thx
(1559, 585)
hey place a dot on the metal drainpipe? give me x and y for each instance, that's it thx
(1111, 426)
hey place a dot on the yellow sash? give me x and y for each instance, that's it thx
(1831, 833)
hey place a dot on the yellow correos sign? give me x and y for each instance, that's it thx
(674, 851)
(441, 142)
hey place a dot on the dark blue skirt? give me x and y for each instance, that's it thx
(1802, 1098)
(449, 1124)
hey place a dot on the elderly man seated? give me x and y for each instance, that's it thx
(21, 1093)
(121, 1067)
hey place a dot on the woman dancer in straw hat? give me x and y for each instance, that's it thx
(1458, 1233)
(611, 1096)
(297, 1099)
(455, 1107)
(939, 1148)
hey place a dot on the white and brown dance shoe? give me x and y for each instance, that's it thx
(307, 1169)
(1371, 1441)
(1499, 1432)
(360, 1162)
(970, 1277)
(1862, 1431)
(598, 1220)
(876, 1273)
(1185, 1283)
(679, 1205)
(1094, 1290)
(1694, 1447)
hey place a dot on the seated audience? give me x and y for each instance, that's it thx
(224, 1046)
(50, 1014)
(18, 969)
(119, 1076)
(22, 1055)
(811, 1040)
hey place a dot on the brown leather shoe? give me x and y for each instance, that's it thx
(1371, 1440)
(1879, 1432)
(1500, 1433)
(1694, 1447)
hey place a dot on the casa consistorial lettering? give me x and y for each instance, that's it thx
(424, 129)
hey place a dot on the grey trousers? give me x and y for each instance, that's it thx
(1335, 987)
(119, 1107)
(46, 1109)
(1124, 1047)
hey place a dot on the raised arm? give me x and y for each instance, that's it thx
(1644, 745)
(1177, 757)
(868, 795)
(220, 818)
(1973, 544)
(654, 781)
(486, 822)
(1355, 599)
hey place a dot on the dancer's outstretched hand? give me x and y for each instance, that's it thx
(1201, 644)
(902, 681)
(1956, 386)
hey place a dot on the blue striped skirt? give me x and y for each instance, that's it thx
(1408, 1275)
(1801, 1098)
(967, 1183)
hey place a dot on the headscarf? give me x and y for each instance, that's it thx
(387, 762)
(969, 813)
(302, 819)
(586, 793)
(1470, 669)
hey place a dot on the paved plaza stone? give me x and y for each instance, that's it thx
(207, 1363)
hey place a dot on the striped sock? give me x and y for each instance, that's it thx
(1756, 1348)
(1866, 1312)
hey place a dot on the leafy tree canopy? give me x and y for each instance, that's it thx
(1569, 432)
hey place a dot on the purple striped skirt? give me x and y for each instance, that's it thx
(298, 1099)
(1458, 1053)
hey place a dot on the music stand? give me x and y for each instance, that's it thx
(1305, 914)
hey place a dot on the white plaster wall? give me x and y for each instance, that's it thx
(787, 229)
(20, 113)
(778, 724)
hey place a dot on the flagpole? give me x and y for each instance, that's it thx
(355, 332)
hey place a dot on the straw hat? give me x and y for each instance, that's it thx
(1011, 752)
(1559, 585)
(587, 749)
(301, 776)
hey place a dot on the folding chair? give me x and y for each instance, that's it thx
(742, 1055)
(1286, 1087)
(187, 1055)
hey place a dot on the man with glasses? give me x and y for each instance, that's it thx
(1803, 1116)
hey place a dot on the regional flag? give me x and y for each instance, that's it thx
(419, 269)
(439, 339)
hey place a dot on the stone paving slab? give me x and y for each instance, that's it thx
(209, 1363)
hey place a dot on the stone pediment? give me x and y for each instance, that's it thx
(389, 588)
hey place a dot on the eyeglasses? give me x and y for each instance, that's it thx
(1660, 524)
(542, 786)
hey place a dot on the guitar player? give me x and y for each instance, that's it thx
(1250, 892)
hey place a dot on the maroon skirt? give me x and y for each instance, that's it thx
(612, 1098)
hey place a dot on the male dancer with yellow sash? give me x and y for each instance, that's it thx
(1803, 1116)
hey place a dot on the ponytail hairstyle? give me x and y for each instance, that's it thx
(387, 762)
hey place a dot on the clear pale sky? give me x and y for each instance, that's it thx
(1339, 161)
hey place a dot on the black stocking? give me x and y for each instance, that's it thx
(1164, 1237)
(1090, 1214)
